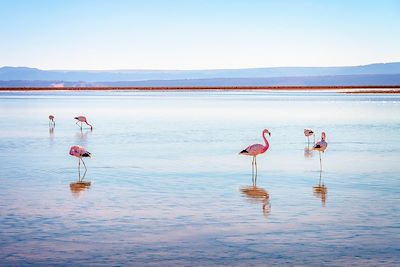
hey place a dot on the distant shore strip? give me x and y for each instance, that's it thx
(362, 89)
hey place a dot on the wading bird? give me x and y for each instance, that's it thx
(51, 120)
(254, 150)
(308, 133)
(321, 146)
(79, 152)
(82, 119)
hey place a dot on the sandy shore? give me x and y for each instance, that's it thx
(387, 89)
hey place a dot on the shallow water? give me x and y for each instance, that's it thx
(169, 188)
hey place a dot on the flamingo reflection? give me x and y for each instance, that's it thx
(51, 132)
(308, 153)
(256, 195)
(77, 188)
(82, 136)
(320, 190)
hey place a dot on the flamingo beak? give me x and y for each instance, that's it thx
(269, 133)
(76, 118)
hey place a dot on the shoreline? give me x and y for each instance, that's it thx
(368, 89)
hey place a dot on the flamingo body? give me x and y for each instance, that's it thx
(82, 119)
(322, 144)
(79, 152)
(254, 150)
(308, 132)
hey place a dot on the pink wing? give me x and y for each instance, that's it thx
(255, 149)
(77, 151)
(308, 132)
(321, 145)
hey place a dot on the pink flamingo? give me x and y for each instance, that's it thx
(254, 150)
(321, 146)
(80, 152)
(308, 133)
(51, 120)
(82, 119)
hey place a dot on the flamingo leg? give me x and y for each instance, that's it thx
(252, 171)
(255, 178)
(89, 125)
(77, 123)
(320, 177)
(79, 170)
(320, 161)
(85, 169)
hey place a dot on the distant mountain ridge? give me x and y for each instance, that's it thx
(380, 73)
(25, 73)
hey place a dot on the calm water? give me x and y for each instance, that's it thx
(169, 188)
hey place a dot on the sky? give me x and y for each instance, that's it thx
(203, 34)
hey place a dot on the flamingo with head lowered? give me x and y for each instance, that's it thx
(308, 133)
(254, 150)
(51, 120)
(82, 119)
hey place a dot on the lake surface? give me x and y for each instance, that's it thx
(169, 188)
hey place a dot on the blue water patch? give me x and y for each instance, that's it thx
(169, 188)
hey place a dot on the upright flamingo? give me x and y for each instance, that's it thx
(82, 119)
(254, 150)
(308, 133)
(51, 120)
(321, 146)
(80, 152)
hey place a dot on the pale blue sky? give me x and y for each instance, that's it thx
(151, 34)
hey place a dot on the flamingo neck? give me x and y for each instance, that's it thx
(266, 141)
